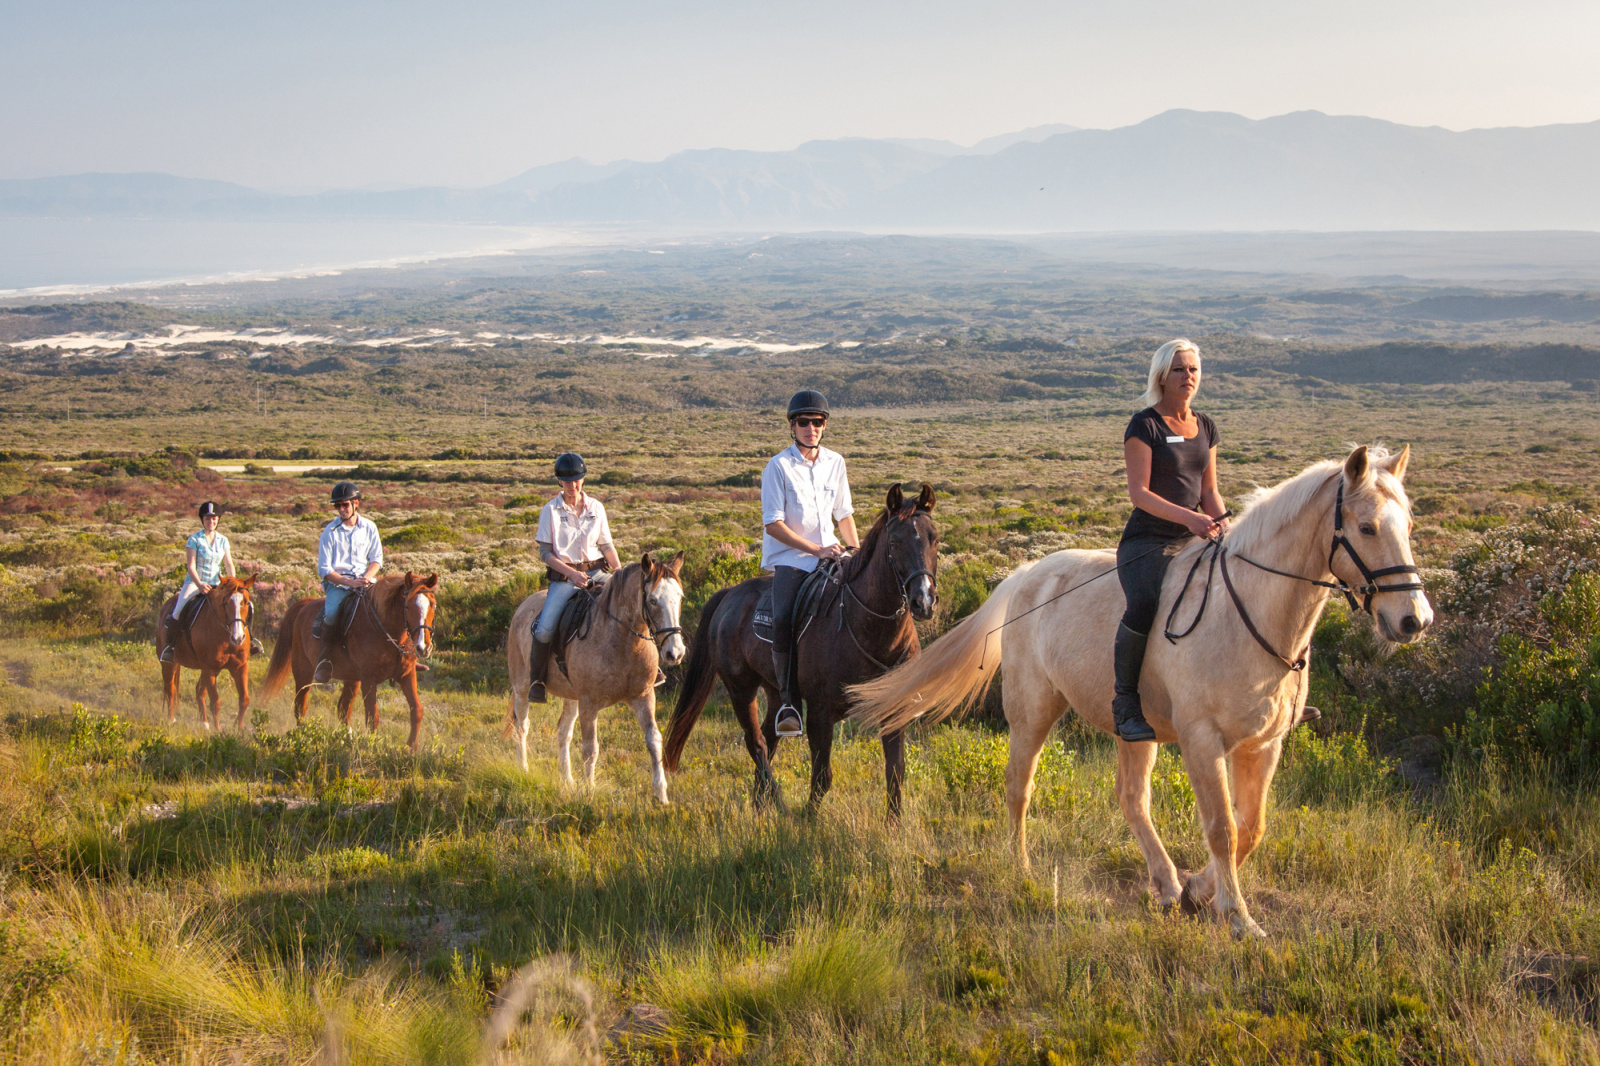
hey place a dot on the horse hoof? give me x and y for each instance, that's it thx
(1246, 929)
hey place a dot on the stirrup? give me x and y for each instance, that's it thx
(321, 677)
(788, 723)
(661, 677)
(169, 653)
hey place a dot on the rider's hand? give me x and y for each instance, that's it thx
(830, 551)
(580, 579)
(1201, 525)
(205, 590)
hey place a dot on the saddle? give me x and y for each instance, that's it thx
(576, 617)
(183, 621)
(807, 602)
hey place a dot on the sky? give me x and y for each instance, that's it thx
(304, 94)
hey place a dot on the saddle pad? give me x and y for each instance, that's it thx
(191, 611)
(807, 602)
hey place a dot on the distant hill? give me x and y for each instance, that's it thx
(1178, 171)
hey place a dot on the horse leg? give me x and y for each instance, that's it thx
(819, 731)
(569, 715)
(347, 701)
(1206, 762)
(1134, 763)
(1028, 738)
(200, 698)
(644, 709)
(1252, 776)
(408, 688)
(589, 720)
(170, 673)
(894, 771)
(520, 720)
(757, 741)
(241, 685)
(214, 698)
(369, 700)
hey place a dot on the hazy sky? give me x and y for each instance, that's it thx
(287, 93)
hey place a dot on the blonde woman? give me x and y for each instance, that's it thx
(1171, 453)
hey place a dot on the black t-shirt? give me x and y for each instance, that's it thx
(1177, 468)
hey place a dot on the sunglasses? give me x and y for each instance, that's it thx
(817, 422)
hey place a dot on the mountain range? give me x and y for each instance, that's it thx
(1180, 170)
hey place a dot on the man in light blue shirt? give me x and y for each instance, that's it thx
(349, 555)
(804, 491)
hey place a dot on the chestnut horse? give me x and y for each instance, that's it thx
(862, 628)
(218, 640)
(1226, 694)
(390, 627)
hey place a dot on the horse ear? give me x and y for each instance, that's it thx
(896, 498)
(647, 564)
(432, 582)
(676, 566)
(411, 579)
(1396, 464)
(925, 500)
(1357, 468)
(247, 582)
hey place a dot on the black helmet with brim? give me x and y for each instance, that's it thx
(208, 509)
(808, 402)
(570, 467)
(344, 490)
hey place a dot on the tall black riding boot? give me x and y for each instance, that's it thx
(538, 664)
(323, 632)
(788, 722)
(1126, 710)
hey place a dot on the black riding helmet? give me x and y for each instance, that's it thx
(570, 467)
(344, 490)
(209, 508)
(808, 402)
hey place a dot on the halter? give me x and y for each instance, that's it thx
(904, 586)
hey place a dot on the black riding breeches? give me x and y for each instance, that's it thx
(786, 581)
(1141, 567)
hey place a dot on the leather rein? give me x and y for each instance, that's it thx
(904, 585)
(653, 634)
(1218, 555)
(378, 621)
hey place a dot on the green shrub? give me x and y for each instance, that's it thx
(29, 971)
(421, 533)
(962, 590)
(476, 617)
(1338, 769)
(972, 766)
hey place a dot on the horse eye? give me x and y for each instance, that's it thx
(1368, 529)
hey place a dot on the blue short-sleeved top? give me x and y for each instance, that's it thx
(208, 555)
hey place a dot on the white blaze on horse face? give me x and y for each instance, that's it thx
(422, 621)
(1401, 616)
(667, 604)
(236, 630)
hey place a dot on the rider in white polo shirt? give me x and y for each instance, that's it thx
(574, 541)
(804, 491)
(349, 555)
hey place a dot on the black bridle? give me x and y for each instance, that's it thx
(903, 585)
(1219, 555)
(1371, 588)
(372, 608)
(653, 633)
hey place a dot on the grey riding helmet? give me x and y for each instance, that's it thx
(807, 402)
(344, 490)
(570, 467)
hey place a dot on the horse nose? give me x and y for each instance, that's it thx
(1410, 625)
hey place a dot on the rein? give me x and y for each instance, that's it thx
(904, 586)
(372, 609)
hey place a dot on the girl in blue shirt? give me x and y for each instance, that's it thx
(208, 554)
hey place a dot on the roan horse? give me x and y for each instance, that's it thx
(632, 628)
(218, 640)
(862, 628)
(1226, 693)
(391, 626)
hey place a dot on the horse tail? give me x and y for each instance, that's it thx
(699, 678)
(952, 672)
(282, 651)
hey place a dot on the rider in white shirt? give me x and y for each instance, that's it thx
(349, 556)
(804, 492)
(574, 539)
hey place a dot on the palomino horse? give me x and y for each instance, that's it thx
(390, 627)
(863, 626)
(218, 640)
(632, 628)
(1226, 693)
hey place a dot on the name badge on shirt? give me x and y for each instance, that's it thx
(1176, 440)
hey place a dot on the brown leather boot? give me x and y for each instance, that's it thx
(538, 664)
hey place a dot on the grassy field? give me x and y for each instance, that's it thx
(304, 895)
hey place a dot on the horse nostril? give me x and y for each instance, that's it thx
(1410, 625)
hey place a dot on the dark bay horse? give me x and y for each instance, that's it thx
(389, 628)
(864, 627)
(218, 640)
